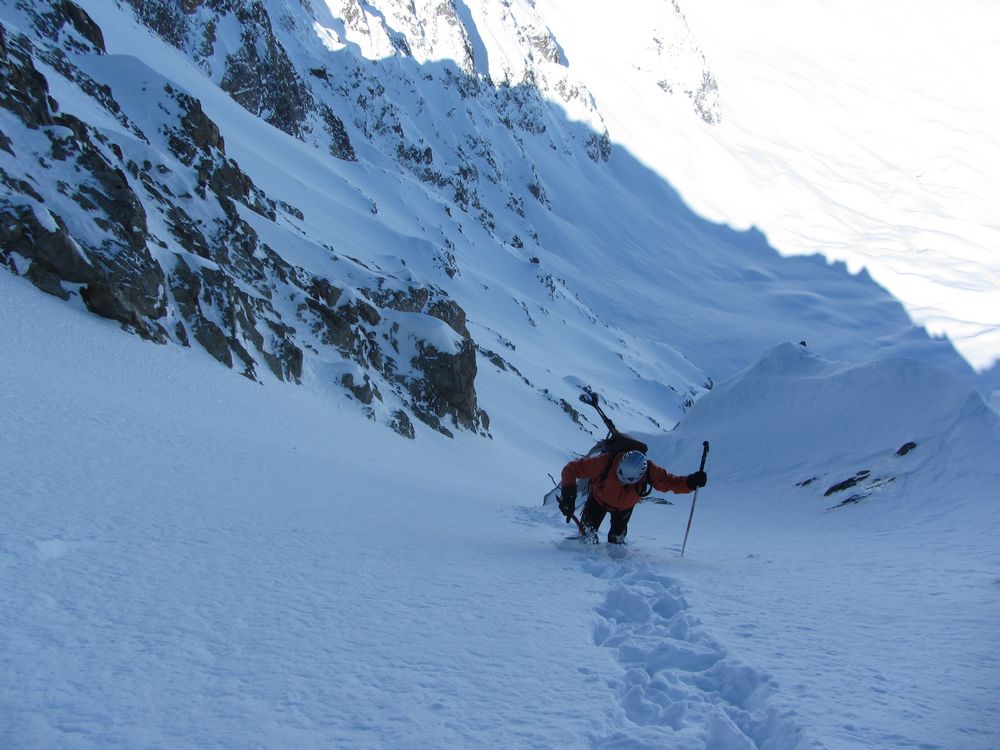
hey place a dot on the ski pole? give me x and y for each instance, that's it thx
(704, 455)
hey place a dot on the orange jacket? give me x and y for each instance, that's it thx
(611, 493)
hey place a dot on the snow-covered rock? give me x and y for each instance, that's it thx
(281, 184)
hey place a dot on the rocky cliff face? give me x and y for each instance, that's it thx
(156, 230)
(137, 211)
(235, 43)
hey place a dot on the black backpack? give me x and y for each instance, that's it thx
(615, 443)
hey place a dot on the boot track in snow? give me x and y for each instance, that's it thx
(679, 687)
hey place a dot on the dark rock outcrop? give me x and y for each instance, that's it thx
(152, 230)
(259, 74)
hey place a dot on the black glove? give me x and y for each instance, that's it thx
(696, 480)
(567, 501)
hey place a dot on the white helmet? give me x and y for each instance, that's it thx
(631, 467)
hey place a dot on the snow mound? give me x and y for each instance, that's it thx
(794, 412)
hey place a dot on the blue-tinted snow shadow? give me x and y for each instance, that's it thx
(660, 270)
(651, 265)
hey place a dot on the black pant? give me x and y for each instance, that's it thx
(593, 514)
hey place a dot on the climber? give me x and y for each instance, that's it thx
(618, 482)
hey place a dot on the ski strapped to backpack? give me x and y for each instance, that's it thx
(615, 443)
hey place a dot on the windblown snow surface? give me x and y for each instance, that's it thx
(865, 132)
(192, 560)
(189, 559)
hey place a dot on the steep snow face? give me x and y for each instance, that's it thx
(645, 52)
(847, 540)
(308, 191)
(427, 30)
(314, 190)
(504, 43)
(860, 133)
(190, 559)
(121, 195)
(793, 411)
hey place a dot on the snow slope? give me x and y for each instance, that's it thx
(879, 614)
(190, 559)
(193, 560)
(609, 277)
(864, 134)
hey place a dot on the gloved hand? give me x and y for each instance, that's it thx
(567, 501)
(696, 480)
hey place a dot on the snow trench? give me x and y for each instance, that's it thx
(680, 688)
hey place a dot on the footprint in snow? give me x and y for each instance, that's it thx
(679, 688)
